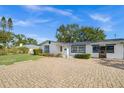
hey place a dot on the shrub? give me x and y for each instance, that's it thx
(50, 55)
(13, 50)
(1, 47)
(37, 51)
(22, 50)
(82, 56)
(3, 52)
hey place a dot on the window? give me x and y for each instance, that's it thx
(81, 49)
(95, 48)
(73, 49)
(110, 48)
(78, 48)
(46, 48)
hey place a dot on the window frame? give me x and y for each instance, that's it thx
(110, 45)
(78, 49)
(95, 46)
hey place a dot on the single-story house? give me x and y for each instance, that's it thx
(110, 48)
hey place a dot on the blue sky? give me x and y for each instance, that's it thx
(41, 22)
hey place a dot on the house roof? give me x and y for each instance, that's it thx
(76, 43)
(118, 39)
(47, 41)
(85, 42)
(31, 46)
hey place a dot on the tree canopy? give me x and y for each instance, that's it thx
(22, 39)
(76, 33)
(8, 37)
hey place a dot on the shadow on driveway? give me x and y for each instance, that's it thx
(112, 63)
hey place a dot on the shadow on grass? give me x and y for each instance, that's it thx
(112, 63)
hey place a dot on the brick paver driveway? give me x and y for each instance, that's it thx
(60, 72)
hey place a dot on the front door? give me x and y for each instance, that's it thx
(102, 52)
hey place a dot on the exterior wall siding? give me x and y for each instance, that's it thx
(90, 51)
(118, 52)
(53, 48)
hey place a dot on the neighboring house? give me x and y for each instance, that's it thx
(31, 47)
(111, 48)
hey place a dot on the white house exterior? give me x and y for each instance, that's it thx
(112, 48)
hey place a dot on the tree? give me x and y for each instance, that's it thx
(91, 34)
(67, 33)
(10, 24)
(31, 41)
(75, 33)
(3, 23)
(20, 39)
(5, 38)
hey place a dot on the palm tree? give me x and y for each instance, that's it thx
(20, 39)
(10, 24)
(3, 23)
(31, 41)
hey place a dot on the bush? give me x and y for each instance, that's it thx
(47, 54)
(50, 55)
(3, 52)
(37, 51)
(22, 50)
(1, 47)
(82, 56)
(12, 50)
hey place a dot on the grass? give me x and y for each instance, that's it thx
(10, 59)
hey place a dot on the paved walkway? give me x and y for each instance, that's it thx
(60, 72)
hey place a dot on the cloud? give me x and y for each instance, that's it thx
(67, 13)
(100, 17)
(33, 7)
(105, 21)
(31, 22)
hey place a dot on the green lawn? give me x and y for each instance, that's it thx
(10, 59)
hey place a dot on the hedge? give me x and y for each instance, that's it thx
(20, 50)
(82, 56)
(37, 51)
(23, 50)
(50, 55)
(3, 52)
